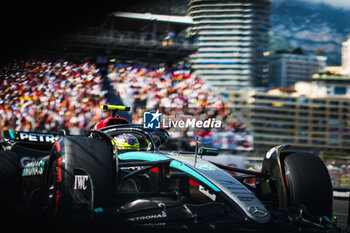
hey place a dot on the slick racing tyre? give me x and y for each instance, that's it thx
(308, 182)
(81, 176)
(10, 173)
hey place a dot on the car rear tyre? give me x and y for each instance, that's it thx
(308, 183)
(81, 176)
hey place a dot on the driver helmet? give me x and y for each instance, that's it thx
(126, 142)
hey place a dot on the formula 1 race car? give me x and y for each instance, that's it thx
(115, 174)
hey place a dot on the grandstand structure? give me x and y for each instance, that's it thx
(125, 36)
(232, 40)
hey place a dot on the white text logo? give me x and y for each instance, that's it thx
(80, 182)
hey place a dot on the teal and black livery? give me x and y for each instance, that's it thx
(33, 137)
(88, 177)
(34, 168)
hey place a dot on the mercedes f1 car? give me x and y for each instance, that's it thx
(117, 174)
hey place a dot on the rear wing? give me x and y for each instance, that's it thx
(28, 146)
(31, 137)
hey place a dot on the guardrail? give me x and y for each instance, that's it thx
(343, 194)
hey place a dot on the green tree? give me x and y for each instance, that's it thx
(320, 52)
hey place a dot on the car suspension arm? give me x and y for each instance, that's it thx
(235, 169)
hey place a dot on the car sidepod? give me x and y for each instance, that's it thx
(207, 186)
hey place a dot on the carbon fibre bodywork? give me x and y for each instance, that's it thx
(87, 178)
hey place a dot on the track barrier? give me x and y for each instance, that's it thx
(343, 194)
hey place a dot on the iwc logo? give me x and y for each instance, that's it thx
(257, 211)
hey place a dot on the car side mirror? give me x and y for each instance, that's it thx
(208, 151)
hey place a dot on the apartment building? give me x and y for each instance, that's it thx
(232, 38)
(317, 121)
(345, 59)
(286, 69)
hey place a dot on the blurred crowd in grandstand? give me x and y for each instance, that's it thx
(340, 174)
(175, 91)
(48, 96)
